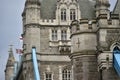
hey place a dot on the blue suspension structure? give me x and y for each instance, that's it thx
(116, 59)
(35, 64)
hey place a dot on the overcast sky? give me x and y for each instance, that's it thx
(11, 28)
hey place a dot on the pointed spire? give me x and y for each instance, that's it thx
(9, 71)
(11, 58)
(10, 51)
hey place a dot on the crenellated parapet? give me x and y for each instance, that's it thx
(67, 2)
(108, 21)
(83, 25)
(48, 22)
(114, 19)
(87, 25)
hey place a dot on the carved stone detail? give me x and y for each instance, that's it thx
(113, 36)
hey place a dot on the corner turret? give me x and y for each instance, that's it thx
(83, 49)
(31, 18)
(31, 13)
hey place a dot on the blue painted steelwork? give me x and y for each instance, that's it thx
(35, 64)
(116, 59)
(15, 67)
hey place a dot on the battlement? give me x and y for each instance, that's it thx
(87, 24)
(102, 16)
(83, 25)
(108, 20)
(115, 16)
(87, 21)
(48, 21)
(111, 16)
(82, 21)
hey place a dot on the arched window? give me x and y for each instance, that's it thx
(116, 59)
(66, 74)
(72, 14)
(116, 50)
(63, 14)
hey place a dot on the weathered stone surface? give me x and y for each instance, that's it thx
(93, 38)
(85, 68)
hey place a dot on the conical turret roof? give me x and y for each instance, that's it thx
(11, 58)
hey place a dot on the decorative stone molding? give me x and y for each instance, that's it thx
(105, 60)
(113, 36)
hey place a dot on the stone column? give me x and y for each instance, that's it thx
(60, 73)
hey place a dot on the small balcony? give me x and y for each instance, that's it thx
(64, 46)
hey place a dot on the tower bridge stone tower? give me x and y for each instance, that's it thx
(74, 39)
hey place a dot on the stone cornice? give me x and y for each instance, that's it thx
(84, 32)
(82, 53)
(107, 28)
(32, 25)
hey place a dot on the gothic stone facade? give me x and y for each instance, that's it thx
(74, 39)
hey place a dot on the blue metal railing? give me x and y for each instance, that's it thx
(35, 64)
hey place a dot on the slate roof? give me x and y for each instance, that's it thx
(48, 8)
(87, 8)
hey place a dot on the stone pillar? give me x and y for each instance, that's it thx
(60, 73)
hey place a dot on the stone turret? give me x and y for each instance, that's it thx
(102, 7)
(9, 71)
(108, 33)
(107, 37)
(31, 26)
(83, 55)
(31, 12)
(31, 35)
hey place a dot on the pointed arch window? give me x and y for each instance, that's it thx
(63, 14)
(116, 50)
(72, 14)
(66, 74)
(116, 59)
